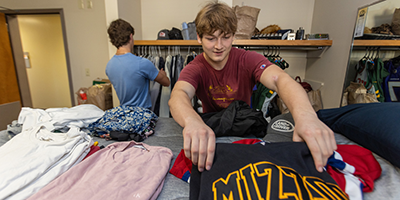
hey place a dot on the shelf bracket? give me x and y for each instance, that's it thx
(317, 54)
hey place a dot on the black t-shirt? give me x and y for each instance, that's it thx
(275, 171)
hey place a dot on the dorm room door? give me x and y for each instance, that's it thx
(10, 100)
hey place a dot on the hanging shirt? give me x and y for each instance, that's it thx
(392, 82)
(155, 87)
(166, 91)
(157, 106)
(363, 76)
(378, 74)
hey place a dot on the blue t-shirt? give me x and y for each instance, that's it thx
(130, 75)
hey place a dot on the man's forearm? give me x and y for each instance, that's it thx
(181, 108)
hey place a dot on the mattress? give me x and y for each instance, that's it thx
(169, 134)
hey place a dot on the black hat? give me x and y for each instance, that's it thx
(282, 125)
(163, 35)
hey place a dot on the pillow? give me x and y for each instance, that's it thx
(375, 126)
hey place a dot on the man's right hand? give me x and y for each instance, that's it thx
(198, 138)
(162, 78)
(199, 144)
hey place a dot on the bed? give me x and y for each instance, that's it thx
(169, 134)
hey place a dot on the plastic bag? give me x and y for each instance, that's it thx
(81, 95)
(396, 22)
(314, 96)
(315, 99)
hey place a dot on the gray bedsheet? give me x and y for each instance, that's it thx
(169, 134)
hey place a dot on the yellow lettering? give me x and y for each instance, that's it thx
(250, 182)
(262, 169)
(318, 189)
(228, 187)
(289, 176)
(289, 185)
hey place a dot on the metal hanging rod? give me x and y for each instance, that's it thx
(297, 48)
(380, 48)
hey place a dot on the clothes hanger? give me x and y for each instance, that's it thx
(365, 57)
(283, 62)
(159, 51)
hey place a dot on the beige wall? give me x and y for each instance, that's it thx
(157, 15)
(288, 14)
(131, 11)
(89, 47)
(41, 37)
(381, 13)
(338, 19)
(86, 35)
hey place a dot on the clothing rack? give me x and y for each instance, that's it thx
(303, 45)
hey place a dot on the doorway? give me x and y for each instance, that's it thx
(44, 56)
(38, 87)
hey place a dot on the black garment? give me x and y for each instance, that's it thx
(275, 171)
(238, 119)
(120, 136)
(178, 67)
(175, 34)
(161, 65)
(172, 72)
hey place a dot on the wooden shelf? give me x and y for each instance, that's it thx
(376, 43)
(291, 43)
(259, 43)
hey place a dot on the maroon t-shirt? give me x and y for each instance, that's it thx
(218, 88)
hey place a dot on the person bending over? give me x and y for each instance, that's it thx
(223, 74)
(130, 74)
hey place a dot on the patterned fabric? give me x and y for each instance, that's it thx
(126, 119)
